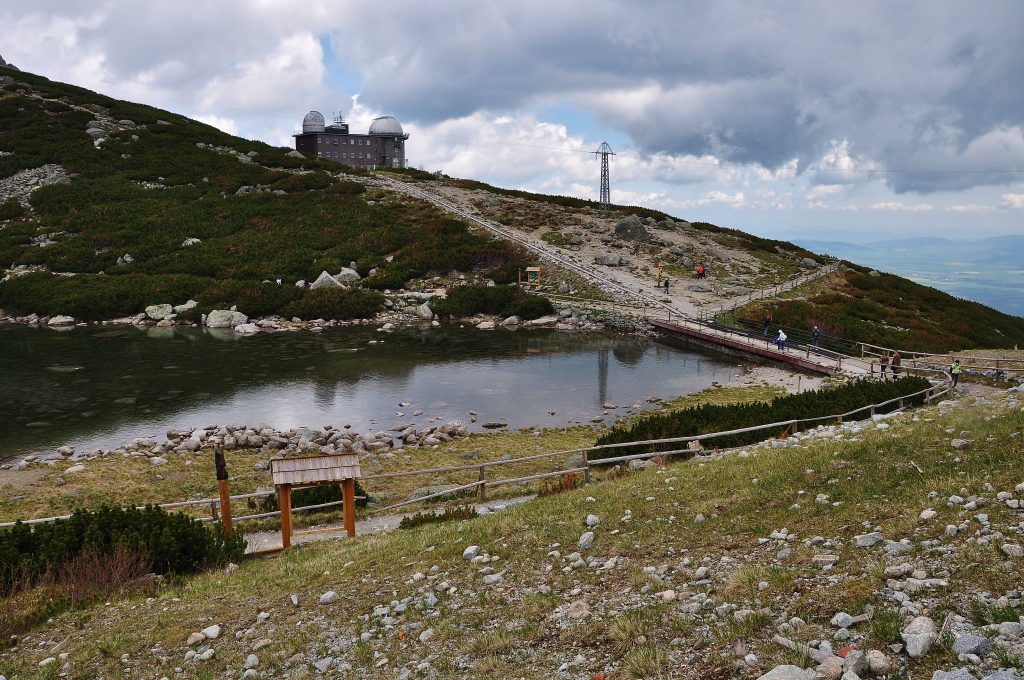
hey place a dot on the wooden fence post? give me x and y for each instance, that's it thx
(284, 494)
(348, 497)
(586, 468)
(483, 486)
(222, 487)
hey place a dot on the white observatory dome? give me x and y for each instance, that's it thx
(313, 122)
(386, 125)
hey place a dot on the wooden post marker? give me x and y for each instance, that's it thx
(306, 471)
(222, 487)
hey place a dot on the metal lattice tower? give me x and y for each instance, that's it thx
(606, 188)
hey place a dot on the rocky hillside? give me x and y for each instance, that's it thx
(889, 548)
(107, 207)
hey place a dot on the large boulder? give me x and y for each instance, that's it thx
(160, 312)
(423, 312)
(632, 228)
(61, 320)
(717, 254)
(325, 280)
(225, 318)
(809, 263)
(919, 636)
(347, 275)
(608, 259)
(178, 309)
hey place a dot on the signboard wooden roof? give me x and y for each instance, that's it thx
(315, 469)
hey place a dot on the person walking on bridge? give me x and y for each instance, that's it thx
(896, 361)
(767, 322)
(781, 340)
(815, 336)
(884, 362)
(954, 371)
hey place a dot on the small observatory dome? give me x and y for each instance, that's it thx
(313, 122)
(387, 126)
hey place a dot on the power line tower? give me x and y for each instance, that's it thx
(606, 188)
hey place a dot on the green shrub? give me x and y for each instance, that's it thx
(314, 495)
(335, 303)
(447, 515)
(710, 418)
(499, 300)
(171, 542)
(11, 209)
(346, 186)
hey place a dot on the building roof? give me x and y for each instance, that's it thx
(313, 122)
(386, 125)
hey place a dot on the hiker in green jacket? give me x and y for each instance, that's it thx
(954, 371)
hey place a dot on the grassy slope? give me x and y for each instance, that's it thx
(891, 311)
(483, 631)
(319, 223)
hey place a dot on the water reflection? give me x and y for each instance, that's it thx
(98, 387)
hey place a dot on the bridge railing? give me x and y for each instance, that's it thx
(1006, 365)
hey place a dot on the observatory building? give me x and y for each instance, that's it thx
(382, 147)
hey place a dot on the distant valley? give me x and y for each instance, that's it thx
(989, 270)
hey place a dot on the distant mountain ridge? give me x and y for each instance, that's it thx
(989, 270)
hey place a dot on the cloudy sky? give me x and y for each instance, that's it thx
(788, 118)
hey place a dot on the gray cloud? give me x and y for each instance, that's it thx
(912, 88)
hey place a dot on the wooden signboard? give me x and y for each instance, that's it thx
(306, 471)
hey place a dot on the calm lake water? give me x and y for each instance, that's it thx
(99, 387)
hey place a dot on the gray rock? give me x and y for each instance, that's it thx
(631, 228)
(698, 288)
(809, 262)
(251, 661)
(1002, 675)
(160, 312)
(919, 636)
(347, 275)
(191, 304)
(972, 644)
(190, 241)
(325, 280)
(640, 464)
(957, 674)
(75, 468)
(158, 460)
(608, 259)
(328, 597)
(867, 540)
(225, 318)
(62, 320)
(423, 312)
(323, 664)
(247, 329)
(470, 552)
(855, 662)
(587, 540)
(211, 632)
(878, 663)
(717, 254)
(593, 520)
(294, 154)
(96, 133)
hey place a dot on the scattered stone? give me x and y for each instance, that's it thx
(867, 540)
(919, 635)
(328, 597)
(470, 552)
(587, 540)
(211, 632)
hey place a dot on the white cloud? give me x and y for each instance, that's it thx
(970, 208)
(1013, 201)
(896, 205)
(223, 124)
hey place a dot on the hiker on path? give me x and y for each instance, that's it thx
(884, 362)
(767, 322)
(781, 340)
(666, 285)
(815, 336)
(896, 360)
(700, 271)
(954, 371)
